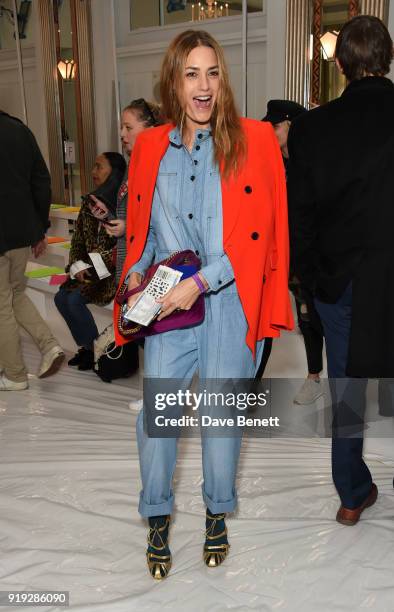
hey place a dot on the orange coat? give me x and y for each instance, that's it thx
(255, 225)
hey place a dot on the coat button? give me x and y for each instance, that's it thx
(219, 282)
(198, 147)
(248, 189)
(131, 238)
(197, 253)
(192, 178)
(190, 215)
(255, 236)
(195, 162)
(199, 136)
(139, 198)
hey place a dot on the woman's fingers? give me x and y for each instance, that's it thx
(116, 228)
(99, 209)
(181, 297)
(166, 310)
(133, 298)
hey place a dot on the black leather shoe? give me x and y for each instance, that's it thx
(216, 544)
(158, 555)
(76, 360)
(87, 360)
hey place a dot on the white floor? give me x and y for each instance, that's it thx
(69, 481)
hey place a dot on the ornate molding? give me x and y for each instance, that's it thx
(354, 8)
(154, 48)
(317, 23)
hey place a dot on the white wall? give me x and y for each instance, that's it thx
(140, 53)
(10, 93)
(105, 76)
(137, 60)
(276, 49)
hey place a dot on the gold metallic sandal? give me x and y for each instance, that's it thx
(158, 565)
(215, 554)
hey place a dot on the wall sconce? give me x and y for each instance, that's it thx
(67, 69)
(328, 43)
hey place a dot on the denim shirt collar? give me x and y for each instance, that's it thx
(175, 137)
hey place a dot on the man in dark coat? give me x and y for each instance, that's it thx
(281, 114)
(25, 196)
(341, 186)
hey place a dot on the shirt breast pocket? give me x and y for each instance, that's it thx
(167, 190)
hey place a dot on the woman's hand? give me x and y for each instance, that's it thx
(40, 247)
(181, 297)
(116, 228)
(98, 209)
(135, 279)
(82, 276)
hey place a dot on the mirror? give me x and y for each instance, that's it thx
(335, 14)
(65, 35)
(67, 69)
(153, 13)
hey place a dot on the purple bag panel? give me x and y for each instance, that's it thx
(178, 319)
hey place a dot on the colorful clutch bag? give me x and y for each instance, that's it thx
(188, 263)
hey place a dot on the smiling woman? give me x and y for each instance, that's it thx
(189, 180)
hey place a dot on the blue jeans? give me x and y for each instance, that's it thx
(80, 321)
(217, 348)
(351, 475)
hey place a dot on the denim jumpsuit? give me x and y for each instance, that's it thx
(187, 214)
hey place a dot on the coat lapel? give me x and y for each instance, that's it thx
(159, 147)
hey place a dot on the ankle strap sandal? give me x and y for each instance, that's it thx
(215, 553)
(158, 555)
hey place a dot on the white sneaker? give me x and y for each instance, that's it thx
(10, 385)
(51, 362)
(136, 405)
(310, 391)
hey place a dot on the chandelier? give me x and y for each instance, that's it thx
(211, 10)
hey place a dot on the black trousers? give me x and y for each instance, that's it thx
(312, 331)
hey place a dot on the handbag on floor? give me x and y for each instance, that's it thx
(188, 263)
(111, 361)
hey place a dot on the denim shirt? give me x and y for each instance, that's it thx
(187, 210)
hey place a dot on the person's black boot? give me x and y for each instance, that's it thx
(76, 360)
(216, 544)
(87, 360)
(158, 554)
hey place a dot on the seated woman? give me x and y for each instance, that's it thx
(84, 285)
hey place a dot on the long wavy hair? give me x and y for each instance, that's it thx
(228, 137)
